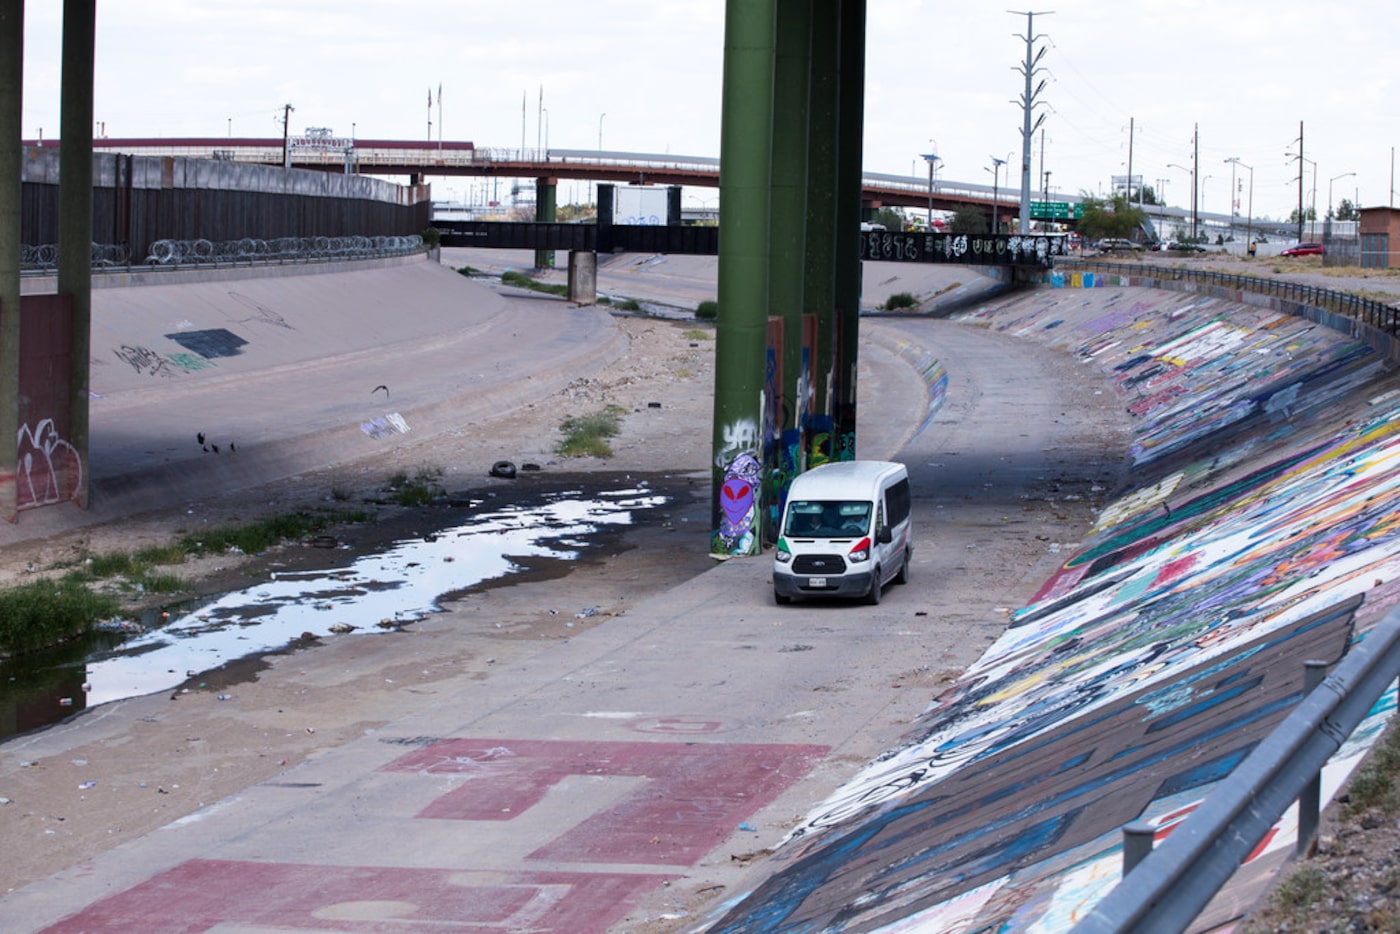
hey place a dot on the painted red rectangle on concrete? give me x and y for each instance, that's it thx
(697, 793)
(203, 894)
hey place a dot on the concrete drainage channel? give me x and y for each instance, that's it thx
(376, 593)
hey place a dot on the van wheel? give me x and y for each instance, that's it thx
(781, 599)
(873, 598)
(903, 576)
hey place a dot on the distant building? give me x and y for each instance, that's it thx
(1380, 238)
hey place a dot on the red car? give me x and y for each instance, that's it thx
(1303, 249)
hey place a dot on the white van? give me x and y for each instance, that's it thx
(845, 532)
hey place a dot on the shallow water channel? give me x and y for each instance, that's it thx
(376, 593)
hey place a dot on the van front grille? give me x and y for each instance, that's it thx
(819, 564)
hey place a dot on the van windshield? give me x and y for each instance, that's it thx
(827, 518)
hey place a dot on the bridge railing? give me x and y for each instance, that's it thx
(1376, 314)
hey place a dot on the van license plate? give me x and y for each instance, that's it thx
(816, 581)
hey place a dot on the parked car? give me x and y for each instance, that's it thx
(1303, 249)
(1181, 247)
(1117, 245)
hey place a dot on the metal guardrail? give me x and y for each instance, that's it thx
(1378, 315)
(1170, 886)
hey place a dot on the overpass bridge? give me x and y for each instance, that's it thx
(417, 159)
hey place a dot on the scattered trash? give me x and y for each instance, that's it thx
(86, 785)
(586, 612)
(503, 469)
(78, 762)
(118, 625)
(4, 801)
(342, 628)
(748, 827)
(224, 697)
(65, 702)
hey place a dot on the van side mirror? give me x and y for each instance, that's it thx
(883, 536)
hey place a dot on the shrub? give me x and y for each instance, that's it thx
(708, 309)
(587, 435)
(900, 300)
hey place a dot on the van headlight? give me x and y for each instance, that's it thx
(782, 555)
(859, 553)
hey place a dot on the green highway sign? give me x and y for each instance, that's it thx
(1056, 210)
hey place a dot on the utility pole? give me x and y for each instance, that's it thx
(1300, 181)
(1131, 124)
(1195, 174)
(1028, 70)
(286, 135)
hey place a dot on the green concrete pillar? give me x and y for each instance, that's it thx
(546, 200)
(75, 215)
(783, 441)
(741, 327)
(851, 119)
(820, 289)
(11, 169)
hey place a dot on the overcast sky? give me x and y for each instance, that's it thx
(940, 77)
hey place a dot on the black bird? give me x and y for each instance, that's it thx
(231, 448)
(379, 387)
(214, 448)
(199, 438)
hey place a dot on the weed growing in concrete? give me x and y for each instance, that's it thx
(587, 435)
(520, 280)
(900, 300)
(424, 487)
(698, 334)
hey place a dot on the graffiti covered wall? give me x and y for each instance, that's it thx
(49, 467)
(1265, 493)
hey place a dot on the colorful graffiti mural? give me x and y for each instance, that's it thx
(1265, 476)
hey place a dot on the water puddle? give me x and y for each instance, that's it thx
(374, 594)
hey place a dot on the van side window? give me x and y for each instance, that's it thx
(897, 501)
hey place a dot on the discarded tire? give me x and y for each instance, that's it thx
(504, 469)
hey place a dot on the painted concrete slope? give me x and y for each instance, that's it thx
(204, 385)
(1264, 491)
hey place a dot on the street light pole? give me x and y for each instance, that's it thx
(1249, 224)
(931, 158)
(1327, 226)
(996, 180)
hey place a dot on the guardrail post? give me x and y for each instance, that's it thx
(1137, 844)
(1310, 798)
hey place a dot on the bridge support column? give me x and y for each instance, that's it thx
(819, 292)
(583, 277)
(746, 126)
(546, 195)
(850, 123)
(785, 397)
(75, 223)
(11, 167)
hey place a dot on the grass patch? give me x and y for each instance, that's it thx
(1373, 785)
(900, 300)
(47, 612)
(587, 435)
(424, 487)
(468, 271)
(255, 537)
(627, 305)
(698, 334)
(1303, 889)
(522, 281)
